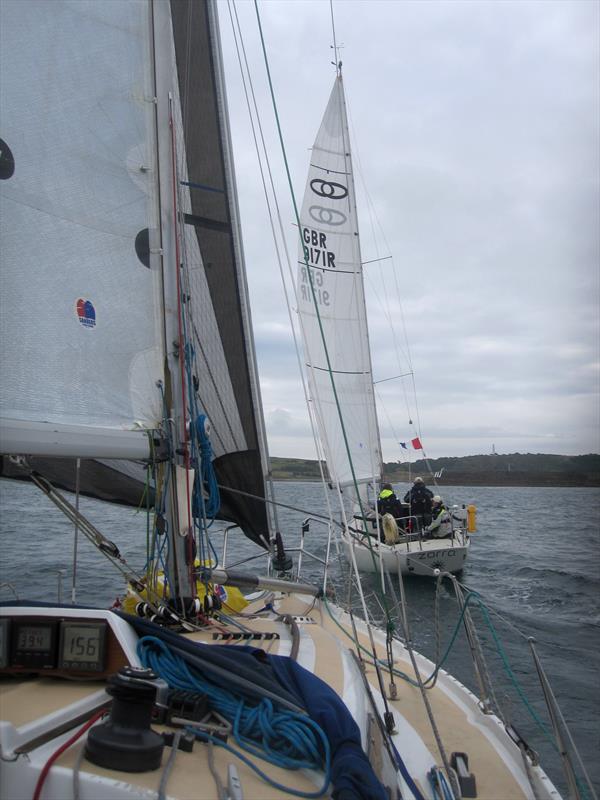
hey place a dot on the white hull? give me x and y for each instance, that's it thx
(420, 557)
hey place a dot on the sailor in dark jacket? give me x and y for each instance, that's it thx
(388, 503)
(419, 497)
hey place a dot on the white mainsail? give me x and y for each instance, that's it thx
(78, 221)
(332, 312)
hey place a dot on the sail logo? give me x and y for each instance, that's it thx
(329, 189)
(86, 313)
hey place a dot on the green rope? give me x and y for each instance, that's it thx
(474, 597)
(315, 303)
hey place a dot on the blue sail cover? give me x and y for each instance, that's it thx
(352, 775)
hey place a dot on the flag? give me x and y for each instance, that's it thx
(402, 444)
(416, 443)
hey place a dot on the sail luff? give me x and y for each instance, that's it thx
(373, 422)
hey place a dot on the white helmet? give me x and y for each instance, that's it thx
(418, 480)
(436, 498)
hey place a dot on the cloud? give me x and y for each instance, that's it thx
(475, 127)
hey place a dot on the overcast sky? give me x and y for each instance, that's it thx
(476, 136)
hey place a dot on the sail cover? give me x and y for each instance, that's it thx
(79, 315)
(331, 305)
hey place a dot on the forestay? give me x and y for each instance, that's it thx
(332, 311)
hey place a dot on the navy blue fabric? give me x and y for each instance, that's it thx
(352, 775)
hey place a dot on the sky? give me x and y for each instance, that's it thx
(475, 129)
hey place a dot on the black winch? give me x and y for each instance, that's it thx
(126, 742)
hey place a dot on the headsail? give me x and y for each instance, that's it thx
(332, 312)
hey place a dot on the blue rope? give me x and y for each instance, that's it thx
(284, 738)
(207, 476)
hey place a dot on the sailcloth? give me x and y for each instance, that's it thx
(88, 188)
(76, 298)
(331, 305)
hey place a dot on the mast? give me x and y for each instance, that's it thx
(178, 510)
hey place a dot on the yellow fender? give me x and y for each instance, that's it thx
(471, 519)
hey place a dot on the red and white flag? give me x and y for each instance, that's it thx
(416, 443)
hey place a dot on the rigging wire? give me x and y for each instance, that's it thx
(264, 155)
(390, 624)
(387, 313)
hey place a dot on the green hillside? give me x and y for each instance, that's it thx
(514, 469)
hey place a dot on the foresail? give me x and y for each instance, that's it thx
(331, 305)
(80, 323)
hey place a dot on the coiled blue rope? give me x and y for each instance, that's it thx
(284, 738)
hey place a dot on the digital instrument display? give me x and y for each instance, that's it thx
(4, 639)
(82, 646)
(34, 644)
(34, 638)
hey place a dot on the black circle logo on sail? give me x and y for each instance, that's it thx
(7, 161)
(142, 247)
(328, 189)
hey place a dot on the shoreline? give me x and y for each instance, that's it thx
(581, 482)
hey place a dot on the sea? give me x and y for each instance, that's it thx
(534, 563)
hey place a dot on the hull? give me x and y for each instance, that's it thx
(421, 557)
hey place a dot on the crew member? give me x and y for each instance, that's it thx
(441, 524)
(419, 497)
(388, 503)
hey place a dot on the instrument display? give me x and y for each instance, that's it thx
(82, 646)
(34, 644)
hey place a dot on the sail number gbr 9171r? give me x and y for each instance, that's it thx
(317, 255)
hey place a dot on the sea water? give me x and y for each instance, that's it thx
(534, 562)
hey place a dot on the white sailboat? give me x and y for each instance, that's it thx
(333, 320)
(120, 229)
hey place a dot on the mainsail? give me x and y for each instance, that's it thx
(88, 221)
(76, 297)
(331, 305)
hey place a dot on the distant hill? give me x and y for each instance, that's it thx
(514, 469)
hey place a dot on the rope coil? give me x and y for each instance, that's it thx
(284, 738)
